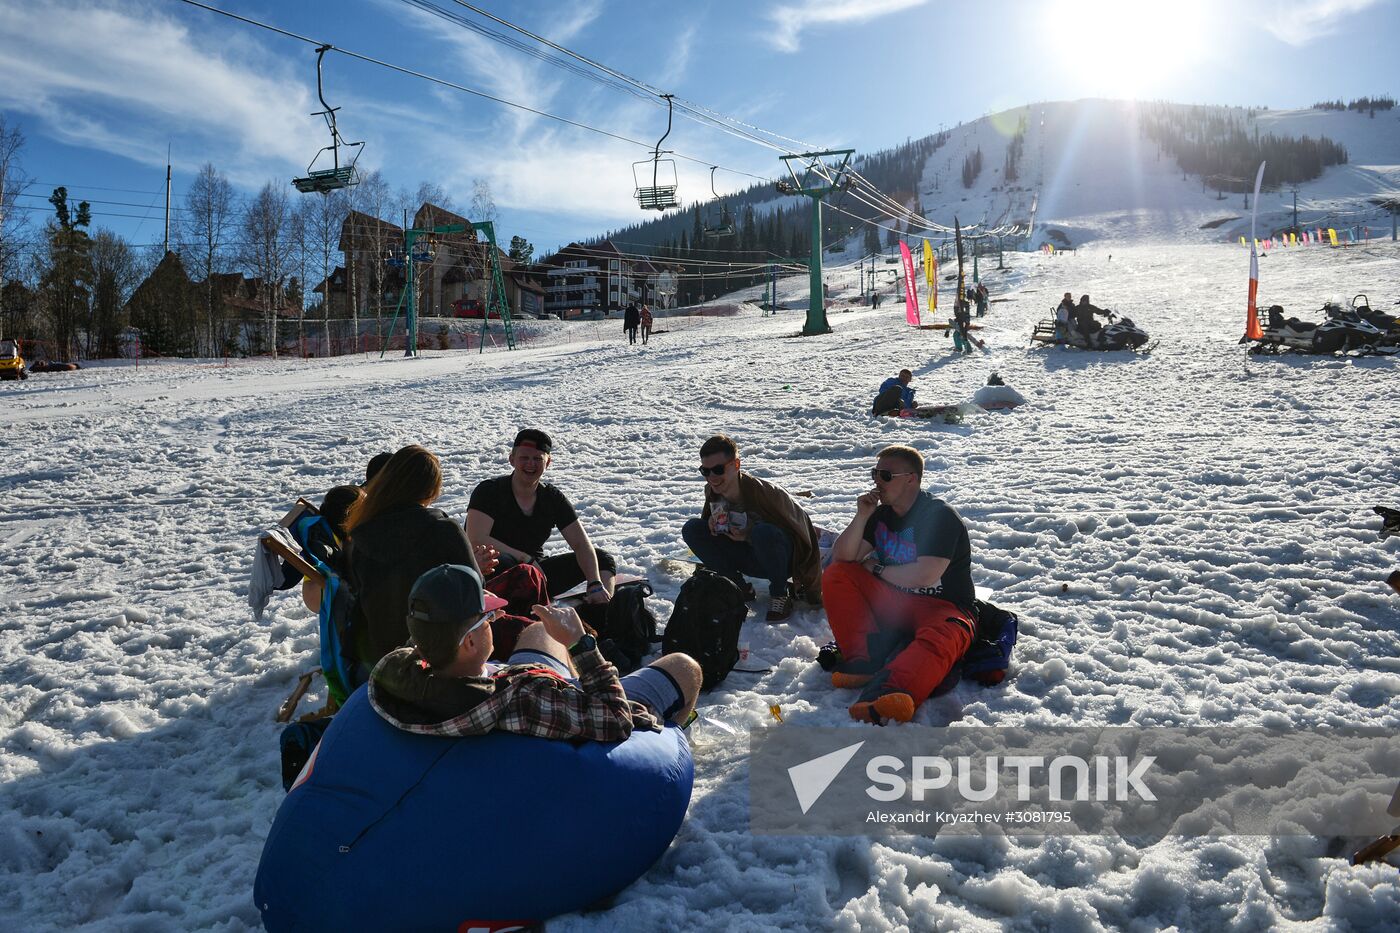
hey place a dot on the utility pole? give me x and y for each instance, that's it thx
(817, 180)
(167, 198)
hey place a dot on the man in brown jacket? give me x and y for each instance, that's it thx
(751, 526)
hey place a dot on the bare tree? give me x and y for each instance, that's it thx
(300, 257)
(324, 218)
(13, 181)
(205, 232)
(434, 194)
(483, 207)
(265, 251)
(372, 198)
(115, 275)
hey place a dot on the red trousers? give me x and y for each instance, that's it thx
(522, 586)
(868, 615)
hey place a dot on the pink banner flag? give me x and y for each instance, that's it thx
(911, 292)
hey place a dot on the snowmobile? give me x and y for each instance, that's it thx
(1333, 335)
(1360, 310)
(11, 363)
(1119, 334)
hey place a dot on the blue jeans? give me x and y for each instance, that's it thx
(767, 554)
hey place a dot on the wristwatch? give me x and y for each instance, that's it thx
(584, 645)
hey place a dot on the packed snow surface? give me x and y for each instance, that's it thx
(1186, 535)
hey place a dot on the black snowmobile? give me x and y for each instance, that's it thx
(1346, 332)
(1119, 334)
(1361, 311)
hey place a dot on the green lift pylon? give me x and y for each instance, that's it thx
(497, 298)
(495, 301)
(816, 180)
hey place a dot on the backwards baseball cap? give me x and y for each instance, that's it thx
(449, 595)
(533, 437)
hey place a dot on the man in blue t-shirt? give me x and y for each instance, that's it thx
(901, 570)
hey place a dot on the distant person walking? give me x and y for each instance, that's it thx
(631, 320)
(646, 324)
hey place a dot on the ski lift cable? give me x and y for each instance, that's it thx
(458, 87)
(525, 48)
(904, 212)
(641, 85)
(626, 84)
(454, 251)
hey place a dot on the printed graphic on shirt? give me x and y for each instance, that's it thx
(895, 547)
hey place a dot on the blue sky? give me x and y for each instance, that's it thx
(99, 87)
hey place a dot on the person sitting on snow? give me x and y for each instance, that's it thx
(444, 685)
(751, 526)
(899, 594)
(894, 395)
(515, 514)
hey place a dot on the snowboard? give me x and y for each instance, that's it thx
(574, 596)
(941, 414)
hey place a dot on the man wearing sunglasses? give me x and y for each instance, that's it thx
(749, 526)
(444, 685)
(899, 592)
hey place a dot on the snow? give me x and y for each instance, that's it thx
(1186, 536)
(1092, 174)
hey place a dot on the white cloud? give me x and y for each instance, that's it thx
(791, 20)
(1299, 23)
(125, 80)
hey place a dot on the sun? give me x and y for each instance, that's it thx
(1125, 49)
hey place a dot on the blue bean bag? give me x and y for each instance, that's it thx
(395, 831)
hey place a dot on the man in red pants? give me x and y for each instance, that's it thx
(901, 570)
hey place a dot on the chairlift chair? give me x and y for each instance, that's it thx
(661, 194)
(724, 223)
(326, 180)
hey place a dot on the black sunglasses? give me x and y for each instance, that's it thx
(717, 469)
(887, 475)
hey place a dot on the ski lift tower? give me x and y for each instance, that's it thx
(816, 180)
(416, 252)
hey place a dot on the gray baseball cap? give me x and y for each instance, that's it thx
(449, 594)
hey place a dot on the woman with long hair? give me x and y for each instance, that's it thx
(395, 538)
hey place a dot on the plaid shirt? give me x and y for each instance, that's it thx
(529, 699)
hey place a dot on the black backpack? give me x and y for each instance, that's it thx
(705, 623)
(989, 656)
(630, 625)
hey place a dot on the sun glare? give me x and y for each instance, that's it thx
(1125, 49)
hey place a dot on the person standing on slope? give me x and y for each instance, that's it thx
(646, 324)
(631, 320)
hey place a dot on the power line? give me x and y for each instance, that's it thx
(114, 203)
(64, 184)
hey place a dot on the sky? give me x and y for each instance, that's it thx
(101, 88)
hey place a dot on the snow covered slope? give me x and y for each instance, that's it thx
(1096, 176)
(1186, 536)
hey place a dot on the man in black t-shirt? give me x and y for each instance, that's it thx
(516, 514)
(901, 570)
